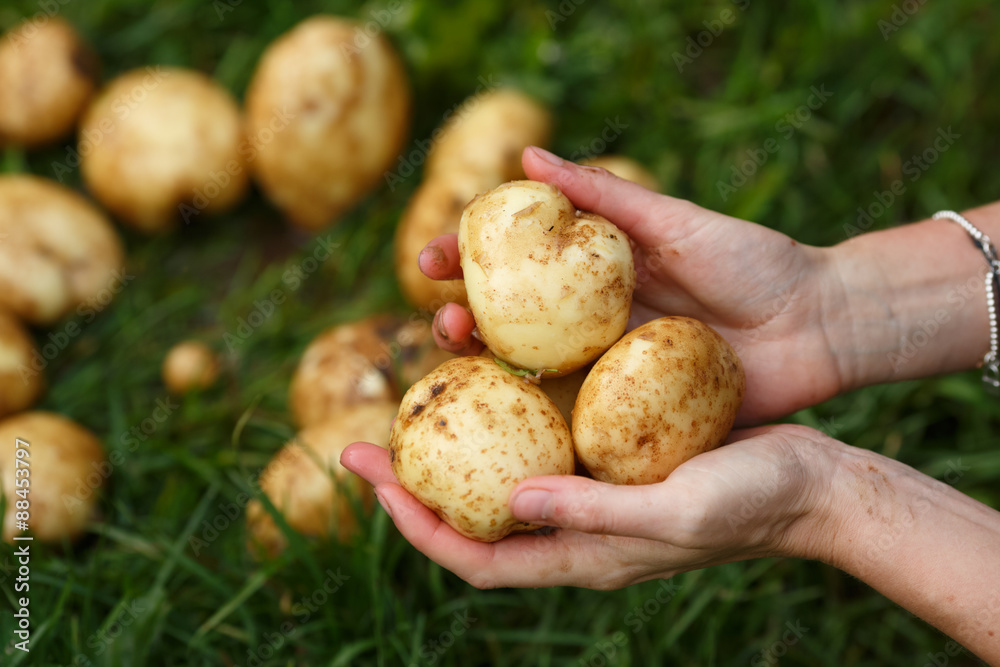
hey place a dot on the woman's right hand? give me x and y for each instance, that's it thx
(775, 300)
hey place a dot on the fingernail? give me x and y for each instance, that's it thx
(438, 326)
(551, 158)
(533, 505)
(384, 503)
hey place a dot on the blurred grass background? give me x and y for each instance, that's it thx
(139, 590)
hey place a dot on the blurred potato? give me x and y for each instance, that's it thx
(190, 366)
(58, 253)
(625, 167)
(68, 468)
(47, 76)
(20, 383)
(161, 144)
(307, 483)
(328, 111)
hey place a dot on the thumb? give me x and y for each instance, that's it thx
(644, 215)
(578, 503)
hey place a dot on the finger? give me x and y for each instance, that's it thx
(524, 561)
(590, 506)
(368, 461)
(439, 259)
(453, 326)
(649, 218)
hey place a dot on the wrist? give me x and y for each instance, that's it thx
(911, 303)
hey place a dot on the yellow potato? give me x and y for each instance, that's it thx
(189, 366)
(68, 468)
(666, 392)
(20, 383)
(47, 75)
(307, 483)
(467, 434)
(163, 144)
(327, 115)
(550, 287)
(58, 253)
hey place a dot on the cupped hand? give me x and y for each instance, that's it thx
(760, 496)
(772, 298)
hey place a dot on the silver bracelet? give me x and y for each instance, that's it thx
(991, 364)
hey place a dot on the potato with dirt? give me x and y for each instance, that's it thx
(550, 287)
(467, 434)
(666, 392)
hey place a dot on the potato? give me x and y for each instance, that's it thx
(562, 391)
(20, 383)
(307, 483)
(666, 392)
(435, 209)
(68, 467)
(550, 287)
(162, 144)
(417, 351)
(327, 114)
(58, 253)
(466, 435)
(625, 167)
(47, 75)
(345, 366)
(486, 135)
(190, 366)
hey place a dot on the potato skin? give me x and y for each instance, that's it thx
(466, 435)
(47, 75)
(302, 490)
(550, 287)
(59, 252)
(20, 383)
(335, 113)
(68, 467)
(166, 137)
(666, 392)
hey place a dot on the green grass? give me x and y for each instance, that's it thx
(135, 591)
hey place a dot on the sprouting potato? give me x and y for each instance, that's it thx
(550, 287)
(307, 483)
(467, 434)
(666, 392)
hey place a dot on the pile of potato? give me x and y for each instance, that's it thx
(551, 289)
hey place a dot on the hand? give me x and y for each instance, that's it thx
(753, 498)
(770, 297)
